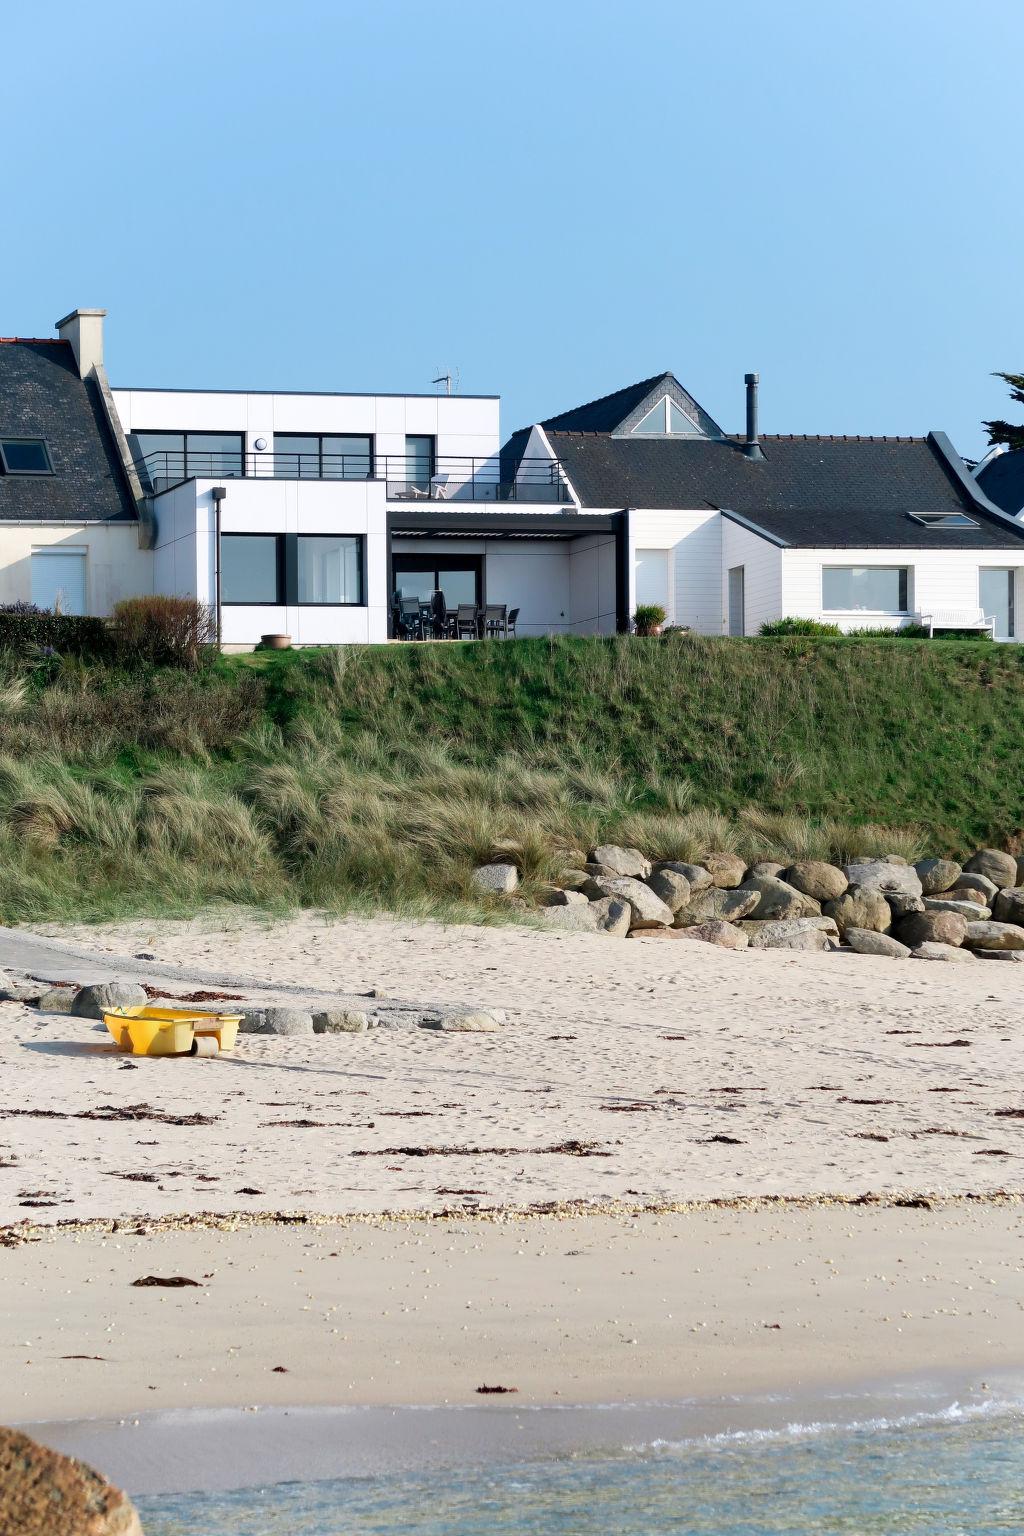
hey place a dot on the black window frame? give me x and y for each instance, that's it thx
(256, 533)
(422, 437)
(184, 433)
(40, 442)
(288, 568)
(318, 437)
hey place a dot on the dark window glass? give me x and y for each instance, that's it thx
(296, 457)
(250, 568)
(219, 454)
(25, 456)
(348, 458)
(865, 588)
(330, 568)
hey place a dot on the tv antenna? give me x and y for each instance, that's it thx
(451, 384)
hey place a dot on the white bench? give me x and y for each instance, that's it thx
(958, 618)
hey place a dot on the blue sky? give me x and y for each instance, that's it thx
(556, 197)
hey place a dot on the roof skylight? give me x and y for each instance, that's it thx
(25, 456)
(944, 519)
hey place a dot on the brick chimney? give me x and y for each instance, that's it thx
(84, 329)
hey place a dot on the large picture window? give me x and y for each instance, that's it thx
(864, 588)
(251, 568)
(165, 458)
(330, 568)
(309, 456)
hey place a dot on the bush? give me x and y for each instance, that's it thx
(774, 627)
(167, 631)
(26, 629)
(649, 618)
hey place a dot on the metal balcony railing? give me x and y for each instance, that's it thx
(407, 477)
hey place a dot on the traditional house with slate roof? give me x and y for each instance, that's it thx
(318, 515)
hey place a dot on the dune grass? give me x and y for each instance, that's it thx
(377, 778)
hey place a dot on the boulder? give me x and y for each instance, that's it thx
(1008, 906)
(475, 1021)
(621, 861)
(717, 904)
(56, 1000)
(574, 879)
(937, 875)
(766, 867)
(900, 904)
(860, 907)
(714, 931)
(495, 879)
(932, 928)
(340, 1021)
(612, 915)
(648, 910)
(554, 896)
(987, 935)
(882, 875)
(968, 910)
(101, 997)
(698, 876)
(728, 869)
(1000, 868)
(823, 882)
(865, 942)
(43, 1493)
(933, 950)
(967, 893)
(276, 1021)
(971, 880)
(776, 899)
(793, 933)
(1020, 870)
(672, 887)
(1000, 954)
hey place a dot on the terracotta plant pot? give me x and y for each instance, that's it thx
(276, 642)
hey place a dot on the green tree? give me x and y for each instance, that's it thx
(1005, 431)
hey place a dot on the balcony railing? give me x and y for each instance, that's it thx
(408, 478)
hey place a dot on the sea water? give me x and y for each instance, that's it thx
(958, 1472)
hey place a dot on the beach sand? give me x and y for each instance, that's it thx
(797, 1083)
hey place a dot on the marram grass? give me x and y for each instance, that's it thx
(376, 778)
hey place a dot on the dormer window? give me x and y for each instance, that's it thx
(25, 456)
(666, 419)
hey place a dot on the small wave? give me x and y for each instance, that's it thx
(952, 1413)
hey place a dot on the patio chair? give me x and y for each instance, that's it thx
(465, 622)
(440, 622)
(496, 619)
(510, 627)
(410, 618)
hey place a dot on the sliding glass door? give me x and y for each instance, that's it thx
(995, 590)
(459, 577)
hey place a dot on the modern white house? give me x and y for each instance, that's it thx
(307, 514)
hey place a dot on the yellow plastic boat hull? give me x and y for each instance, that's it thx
(172, 1031)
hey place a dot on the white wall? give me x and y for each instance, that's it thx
(694, 542)
(464, 425)
(762, 575)
(115, 566)
(592, 584)
(940, 578)
(184, 557)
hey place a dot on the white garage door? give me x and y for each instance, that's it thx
(58, 579)
(652, 578)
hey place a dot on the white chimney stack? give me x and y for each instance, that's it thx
(84, 329)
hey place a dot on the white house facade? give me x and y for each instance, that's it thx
(325, 517)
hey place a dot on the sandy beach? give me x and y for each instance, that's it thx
(675, 1172)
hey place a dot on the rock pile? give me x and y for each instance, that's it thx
(933, 910)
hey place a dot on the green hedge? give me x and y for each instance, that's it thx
(23, 629)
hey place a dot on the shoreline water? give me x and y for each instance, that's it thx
(218, 1450)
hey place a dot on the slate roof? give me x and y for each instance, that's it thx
(828, 492)
(42, 395)
(1002, 480)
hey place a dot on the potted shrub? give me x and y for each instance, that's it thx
(648, 619)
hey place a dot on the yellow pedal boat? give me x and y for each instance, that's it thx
(172, 1031)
